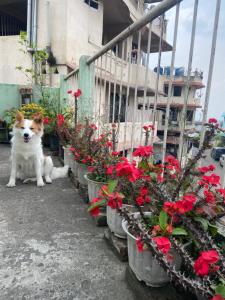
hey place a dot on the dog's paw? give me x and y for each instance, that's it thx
(40, 183)
(48, 180)
(11, 184)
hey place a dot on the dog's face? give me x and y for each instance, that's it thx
(28, 129)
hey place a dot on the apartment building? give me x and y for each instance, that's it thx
(69, 29)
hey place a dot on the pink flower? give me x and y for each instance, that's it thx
(69, 92)
(163, 243)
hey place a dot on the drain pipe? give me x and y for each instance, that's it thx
(48, 33)
(29, 22)
(35, 2)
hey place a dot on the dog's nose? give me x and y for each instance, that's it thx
(26, 135)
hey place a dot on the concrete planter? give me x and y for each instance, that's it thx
(93, 187)
(144, 265)
(114, 221)
(81, 171)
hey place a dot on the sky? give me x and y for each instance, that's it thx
(203, 41)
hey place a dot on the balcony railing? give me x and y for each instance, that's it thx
(106, 96)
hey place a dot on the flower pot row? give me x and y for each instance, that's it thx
(143, 264)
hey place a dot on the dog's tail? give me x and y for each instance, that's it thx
(59, 172)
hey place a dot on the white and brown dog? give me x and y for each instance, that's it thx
(28, 160)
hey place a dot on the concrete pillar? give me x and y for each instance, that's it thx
(86, 83)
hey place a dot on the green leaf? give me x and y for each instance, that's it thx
(179, 231)
(163, 218)
(97, 204)
(112, 185)
(213, 229)
(203, 222)
(220, 289)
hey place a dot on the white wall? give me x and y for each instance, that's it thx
(10, 57)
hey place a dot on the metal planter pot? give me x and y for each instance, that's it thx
(81, 171)
(144, 265)
(114, 221)
(93, 187)
(68, 157)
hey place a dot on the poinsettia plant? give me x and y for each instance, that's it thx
(185, 205)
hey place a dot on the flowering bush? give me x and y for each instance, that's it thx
(184, 204)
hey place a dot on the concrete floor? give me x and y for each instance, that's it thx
(49, 246)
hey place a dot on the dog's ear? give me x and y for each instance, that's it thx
(19, 117)
(38, 119)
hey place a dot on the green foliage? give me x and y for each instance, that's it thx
(179, 231)
(163, 220)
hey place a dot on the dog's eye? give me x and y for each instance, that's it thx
(31, 128)
(22, 127)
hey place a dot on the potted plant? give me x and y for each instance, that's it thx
(184, 204)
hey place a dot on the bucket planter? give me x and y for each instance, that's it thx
(93, 187)
(68, 157)
(114, 221)
(145, 267)
(54, 142)
(82, 170)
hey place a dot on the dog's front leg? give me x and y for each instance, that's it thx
(38, 165)
(12, 179)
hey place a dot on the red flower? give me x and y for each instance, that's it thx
(115, 153)
(206, 169)
(77, 94)
(139, 244)
(95, 211)
(170, 208)
(69, 92)
(46, 120)
(140, 200)
(109, 170)
(163, 243)
(217, 297)
(201, 267)
(145, 127)
(143, 151)
(128, 170)
(60, 120)
(205, 260)
(210, 256)
(93, 126)
(115, 201)
(72, 149)
(172, 163)
(209, 197)
(212, 179)
(221, 192)
(213, 121)
(109, 144)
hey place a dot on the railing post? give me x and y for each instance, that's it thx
(86, 83)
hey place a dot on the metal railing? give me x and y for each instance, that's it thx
(122, 82)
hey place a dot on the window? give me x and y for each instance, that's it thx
(166, 89)
(177, 90)
(173, 114)
(190, 115)
(116, 111)
(92, 3)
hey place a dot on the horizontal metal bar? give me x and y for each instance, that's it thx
(153, 14)
(71, 74)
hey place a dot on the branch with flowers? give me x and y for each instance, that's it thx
(185, 205)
